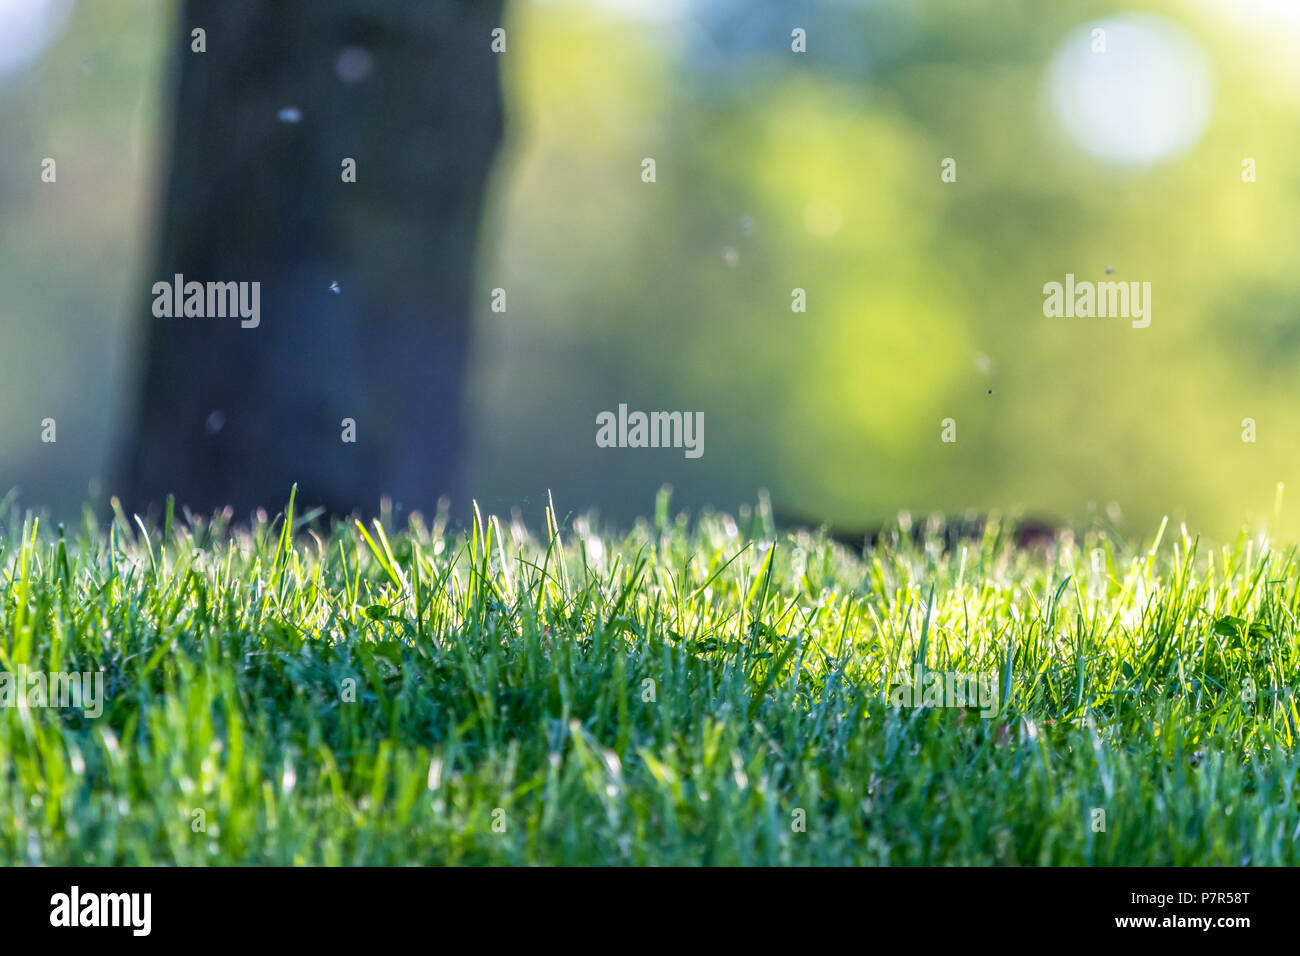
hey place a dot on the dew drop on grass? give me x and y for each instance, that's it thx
(731, 256)
(289, 114)
(747, 225)
(1109, 270)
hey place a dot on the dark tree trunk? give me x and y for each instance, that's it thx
(232, 415)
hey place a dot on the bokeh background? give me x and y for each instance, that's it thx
(774, 171)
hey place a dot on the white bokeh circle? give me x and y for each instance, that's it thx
(1145, 98)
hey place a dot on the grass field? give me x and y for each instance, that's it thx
(699, 691)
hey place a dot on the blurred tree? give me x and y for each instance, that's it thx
(365, 285)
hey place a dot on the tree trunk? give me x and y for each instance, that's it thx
(286, 90)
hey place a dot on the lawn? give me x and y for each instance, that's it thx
(699, 690)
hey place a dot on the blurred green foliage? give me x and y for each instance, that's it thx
(924, 298)
(774, 171)
(71, 252)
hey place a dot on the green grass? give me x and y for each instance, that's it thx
(504, 713)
